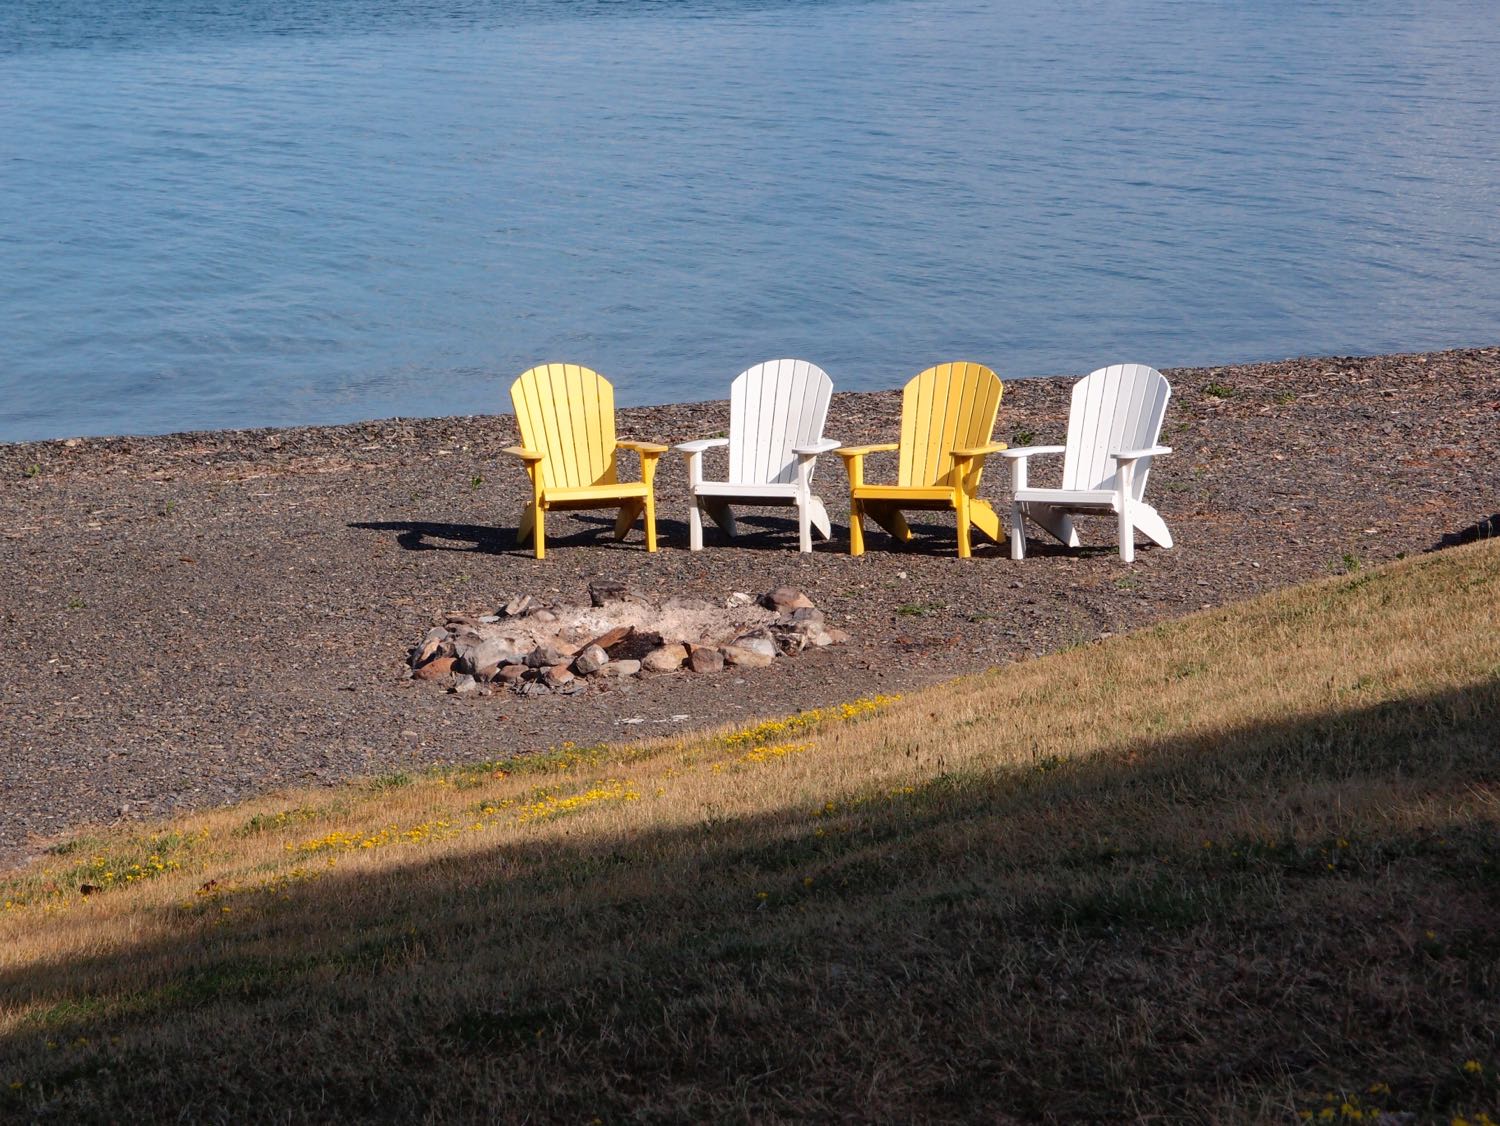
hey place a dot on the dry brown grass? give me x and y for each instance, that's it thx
(1237, 868)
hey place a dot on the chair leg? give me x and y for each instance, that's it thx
(650, 508)
(1126, 503)
(1149, 521)
(723, 516)
(695, 526)
(961, 515)
(539, 532)
(820, 518)
(983, 516)
(856, 528)
(889, 517)
(804, 525)
(1057, 524)
(628, 512)
(1017, 532)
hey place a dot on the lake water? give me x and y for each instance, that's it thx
(250, 212)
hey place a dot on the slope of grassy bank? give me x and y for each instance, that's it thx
(1239, 867)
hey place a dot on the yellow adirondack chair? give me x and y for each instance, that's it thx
(947, 416)
(566, 415)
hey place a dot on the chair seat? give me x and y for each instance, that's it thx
(587, 494)
(903, 493)
(1064, 498)
(729, 490)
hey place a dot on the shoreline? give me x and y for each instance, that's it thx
(130, 441)
(198, 617)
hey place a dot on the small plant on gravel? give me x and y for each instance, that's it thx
(475, 481)
(919, 609)
(1217, 390)
(1350, 562)
(32, 470)
(1286, 398)
(77, 604)
(1024, 437)
(168, 507)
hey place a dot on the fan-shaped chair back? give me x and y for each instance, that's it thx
(774, 407)
(948, 407)
(1115, 408)
(567, 412)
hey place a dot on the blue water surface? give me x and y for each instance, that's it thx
(262, 212)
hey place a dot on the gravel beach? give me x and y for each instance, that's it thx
(193, 619)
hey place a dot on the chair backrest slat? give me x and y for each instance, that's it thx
(773, 407)
(947, 407)
(1120, 407)
(567, 412)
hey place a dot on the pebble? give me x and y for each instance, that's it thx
(591, 660)
(668, 658)
(620, 669)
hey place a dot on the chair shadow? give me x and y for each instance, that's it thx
(500, 539)
(1486, 527)
(756, 532)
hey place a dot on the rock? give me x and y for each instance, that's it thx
(818, 637)
(759, 642)
(488, 619)
(603, 591)
(493, 652)
(611, 637)
(573, 687)
(465, 686)
(550, 653)
(620, 669)
(784, 599)
(431, 645)
(744, 658)
(543, 616)
(836, 636)
(790, 639)
(590, 661)
(511, 674)
(705, 659)
(668, 658)
(435, 669)
(518, 606)
(557, 676)
(737, 599)
(679, 603)
(806, 614)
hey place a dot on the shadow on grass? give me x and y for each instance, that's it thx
(1044, 941)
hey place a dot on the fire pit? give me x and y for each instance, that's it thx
(535, 648)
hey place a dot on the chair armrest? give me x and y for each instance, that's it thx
(523, 453)
(813, 449)
(645, 449)
(1032, 451)
(978, 451)
(1136, 455)
(861, 451)
(697, 447)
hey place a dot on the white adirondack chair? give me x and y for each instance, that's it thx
(776, 415)
(1113, 424)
